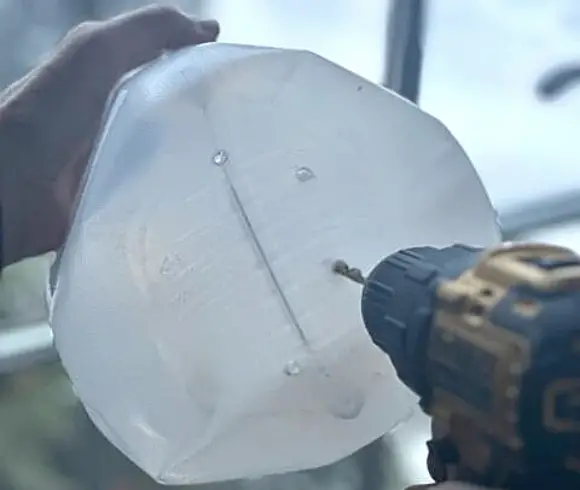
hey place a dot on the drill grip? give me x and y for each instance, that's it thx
(491, 344)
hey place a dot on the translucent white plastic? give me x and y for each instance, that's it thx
(195, 309)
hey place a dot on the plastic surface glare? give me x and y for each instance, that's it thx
(195, 308)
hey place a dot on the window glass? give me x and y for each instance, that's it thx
(348, 32)
(564, 234)
(484, 60)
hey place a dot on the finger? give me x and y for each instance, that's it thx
(144, 34)
(169, 23)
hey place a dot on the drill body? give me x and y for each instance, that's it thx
(490, 342)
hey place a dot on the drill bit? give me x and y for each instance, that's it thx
(342, 268)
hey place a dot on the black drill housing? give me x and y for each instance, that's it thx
(397, 304)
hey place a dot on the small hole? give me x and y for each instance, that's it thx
(486, 292)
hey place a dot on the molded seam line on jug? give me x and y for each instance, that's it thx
(264, 259)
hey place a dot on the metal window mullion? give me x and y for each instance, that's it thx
(404, 49)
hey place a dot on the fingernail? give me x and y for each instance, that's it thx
(210, 28)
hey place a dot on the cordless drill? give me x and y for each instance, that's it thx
(490, 342)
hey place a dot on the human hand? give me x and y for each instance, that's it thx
(439, 429)
(50, 118)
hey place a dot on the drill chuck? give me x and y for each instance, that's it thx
(398, 304)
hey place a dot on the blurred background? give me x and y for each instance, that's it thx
(501, 74)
